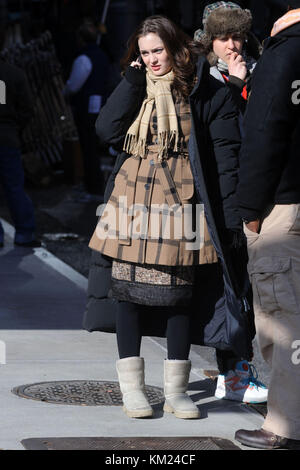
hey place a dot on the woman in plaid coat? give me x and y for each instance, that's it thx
(170, 221)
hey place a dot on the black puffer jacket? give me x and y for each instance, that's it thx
(213, 151)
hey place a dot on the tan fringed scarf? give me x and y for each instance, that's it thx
(158, 92)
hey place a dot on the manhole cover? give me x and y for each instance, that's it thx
(81, 392)
(133, 443)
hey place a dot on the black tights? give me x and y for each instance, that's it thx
(129, 336)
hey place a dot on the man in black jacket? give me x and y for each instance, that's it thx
(15, 111)
(269, 199)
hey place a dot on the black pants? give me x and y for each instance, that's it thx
(226, 360)
(20, 205)
(129, 336)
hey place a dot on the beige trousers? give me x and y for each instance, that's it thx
(274, 269)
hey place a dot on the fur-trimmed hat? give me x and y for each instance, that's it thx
(221, 19)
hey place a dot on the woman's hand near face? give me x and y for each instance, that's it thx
(136, 64)
(237, 66)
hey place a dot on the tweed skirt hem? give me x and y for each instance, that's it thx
(153, 285)
(152, 295)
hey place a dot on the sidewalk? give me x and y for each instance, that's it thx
(41, 307)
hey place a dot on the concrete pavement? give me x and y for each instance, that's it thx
(41, 307)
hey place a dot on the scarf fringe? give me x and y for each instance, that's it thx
(166, 141)
(134, 146)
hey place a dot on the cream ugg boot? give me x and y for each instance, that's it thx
(132, 384)
(176, 378)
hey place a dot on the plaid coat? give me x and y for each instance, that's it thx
(146, 183)
(221, 311)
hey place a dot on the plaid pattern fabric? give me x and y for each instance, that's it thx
(214, 6)
(148, 183)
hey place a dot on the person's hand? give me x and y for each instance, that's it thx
(136, 64)
(237, 66)
(254, 226)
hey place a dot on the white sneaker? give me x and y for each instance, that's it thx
(241, 385)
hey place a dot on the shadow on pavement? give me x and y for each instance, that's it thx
(35, 296)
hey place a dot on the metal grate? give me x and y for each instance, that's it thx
(80, 392)
(132, 443)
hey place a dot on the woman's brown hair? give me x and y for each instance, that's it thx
(181, 49)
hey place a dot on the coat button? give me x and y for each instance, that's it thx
(147, 186)
(151, 162)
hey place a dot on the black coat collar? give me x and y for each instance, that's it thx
(203, 68)
(291, 32)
